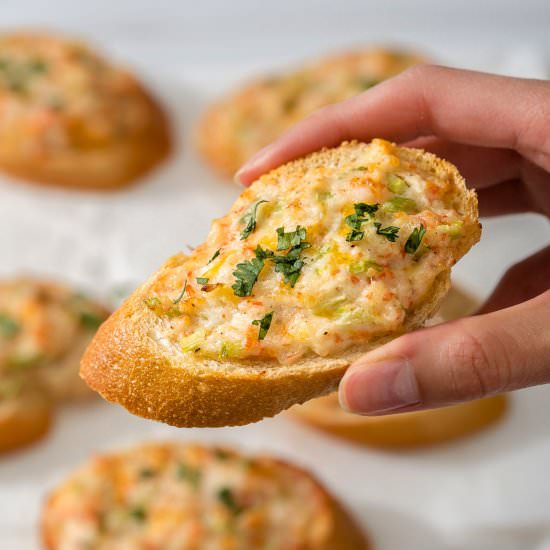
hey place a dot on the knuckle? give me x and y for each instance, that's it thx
(475, 370)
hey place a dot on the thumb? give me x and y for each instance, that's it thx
(459, 361)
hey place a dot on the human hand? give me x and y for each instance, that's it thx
(497, 131)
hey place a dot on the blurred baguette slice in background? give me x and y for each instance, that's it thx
(45, 326)
(25, 415)
(157, 495)
(254, 115)
(70, 117)
(412, 429)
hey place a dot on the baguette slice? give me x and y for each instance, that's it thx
(190, 353)
(174, 495)
(24, 418)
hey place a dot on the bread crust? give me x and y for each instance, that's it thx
(405, 430)
(340, 528)
(24, 420)
(127, 366)
(109, 168)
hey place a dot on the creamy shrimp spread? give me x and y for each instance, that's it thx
(258, 113)
(57, 94)
(39, 324)
(170, 496)
(314, 258)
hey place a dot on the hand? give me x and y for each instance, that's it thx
(497, 131)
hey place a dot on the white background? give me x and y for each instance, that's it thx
(489, 492)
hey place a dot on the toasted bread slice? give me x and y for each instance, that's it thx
(257, 113)
(317, 262)
(70, 117)
(25, 416)
(405, 430)
(173, 495)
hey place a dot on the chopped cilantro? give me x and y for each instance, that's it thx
(221, 454)
(90, 320)
(202, 280)
(8, 326)
(290, 265)
(138, 513)
(390, 232)
(362, 214)
(414, 240)
(146, 473)
(189, 474)
(226, 496)
(366, 83)
(179, 298)
(264, 323)
(216, 254)
(250, 219)
(290, 239)
(247, 273)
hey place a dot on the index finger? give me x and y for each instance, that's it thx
(457, 105)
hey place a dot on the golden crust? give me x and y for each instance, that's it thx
(76, 163)
(335, 529)
(253, 116)
(24, 420)
(127, 366)
(405, 430)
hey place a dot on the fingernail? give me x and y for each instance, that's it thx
(377, 388)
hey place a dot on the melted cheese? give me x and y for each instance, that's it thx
(346, 291)
(177, 496)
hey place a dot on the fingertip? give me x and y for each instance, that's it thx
(381, 387)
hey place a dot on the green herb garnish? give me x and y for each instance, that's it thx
(414, 240)
(247, 273)
(202, 280)
(179, 298)
(363, 212)
(290, 239)
(8, 326)
(264, 323)
(90, 320)
(221, 454)
(189, 474)
(250, 219)
(226, 496)
(147, 473)
(390, 232)
(366, 83)
(216, 254)
(290, 265)
(138, 513)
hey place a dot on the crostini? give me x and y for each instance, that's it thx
(317, 262)
(236, 127)
(69, 117)
(173, 495)
(44, 329)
